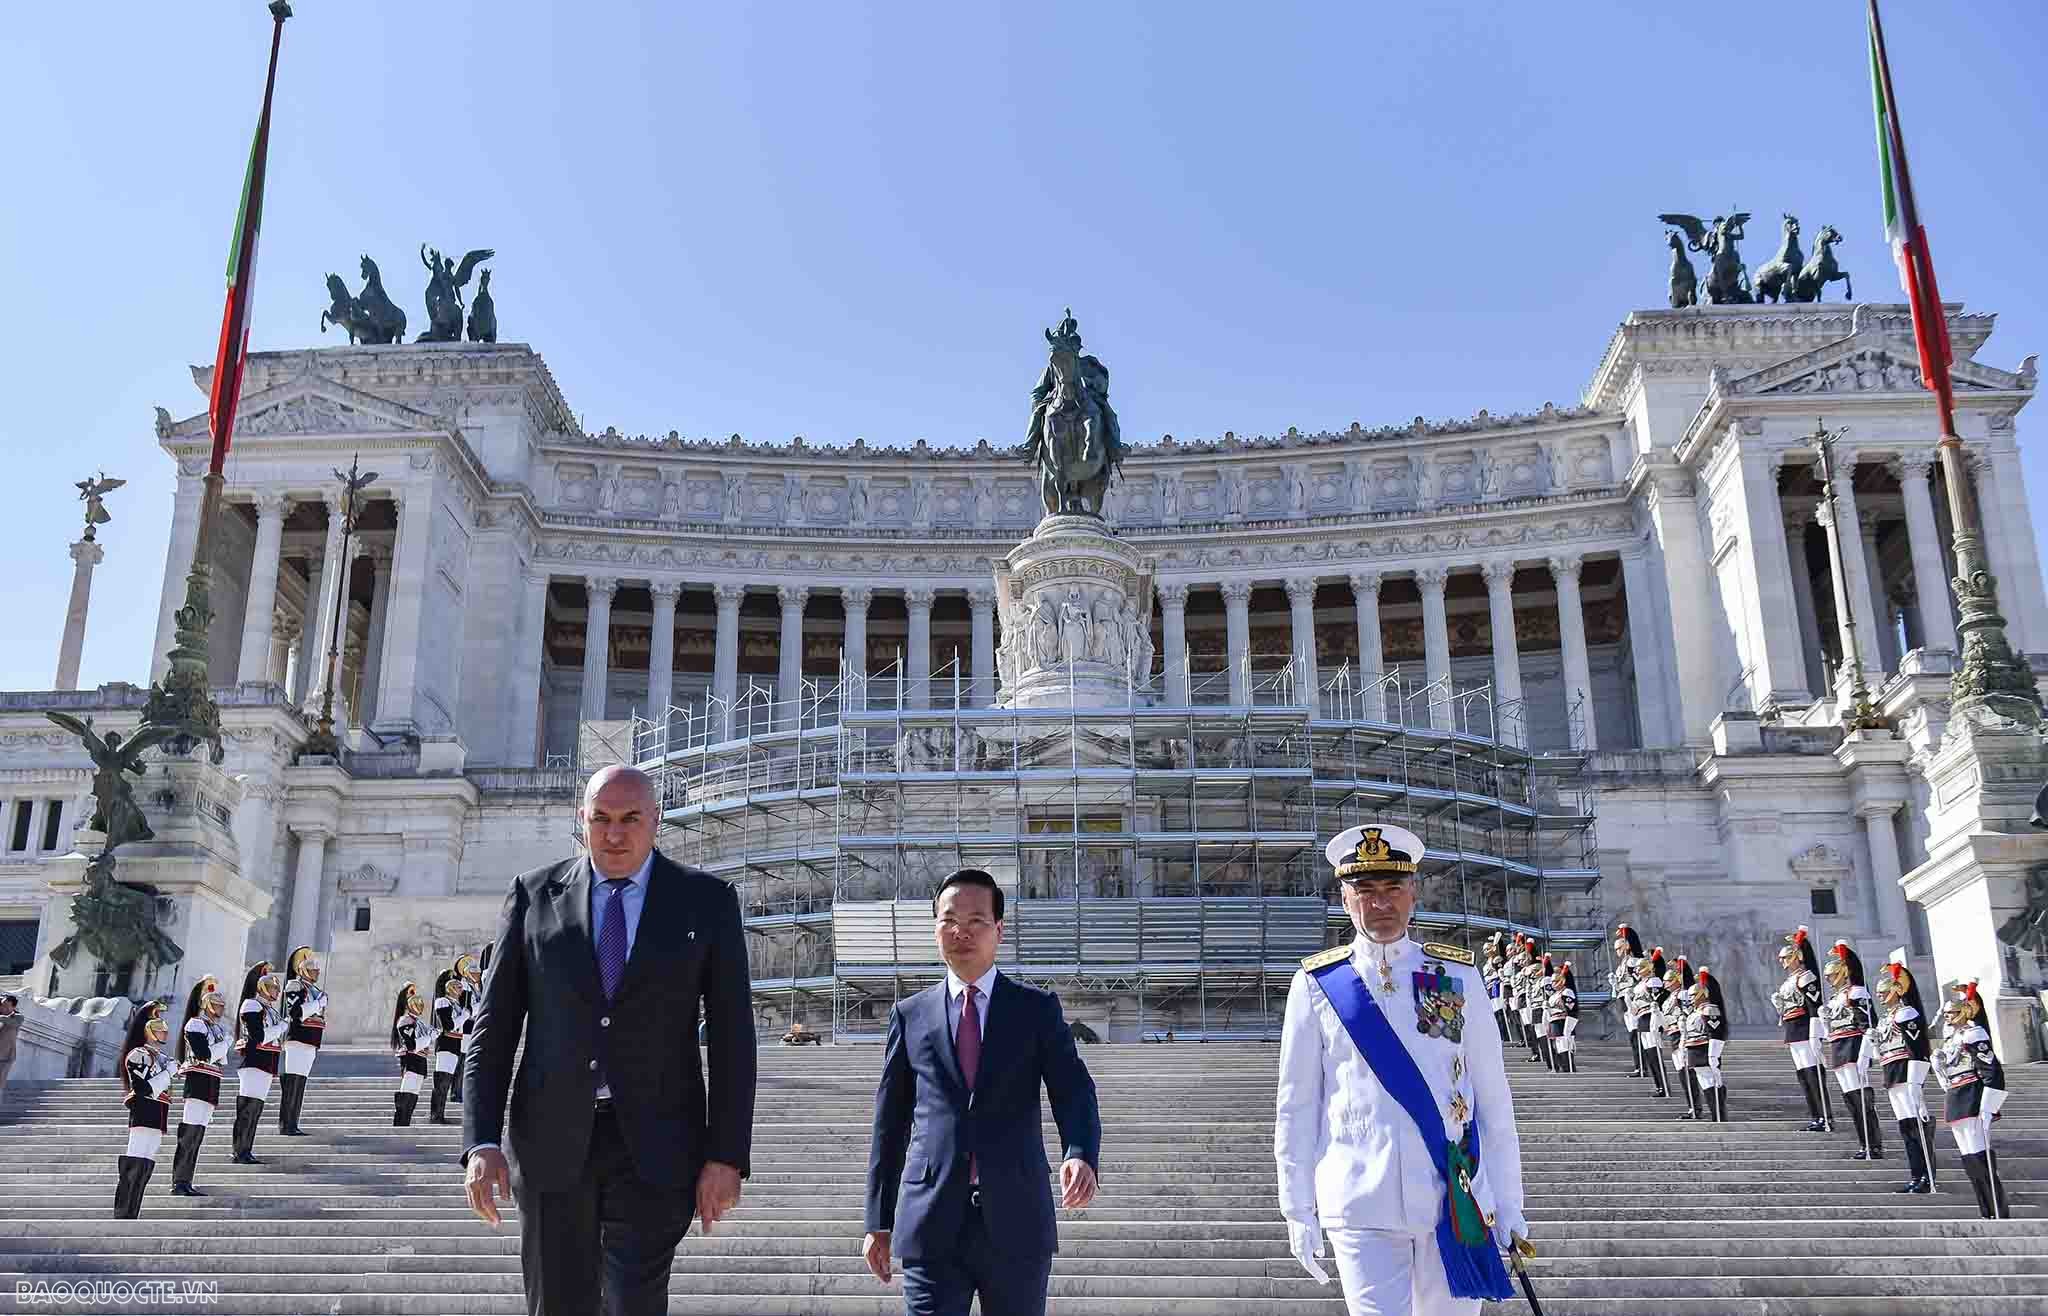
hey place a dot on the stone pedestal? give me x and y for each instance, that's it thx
(1980, 849)
(1076, 603)
(195, 868)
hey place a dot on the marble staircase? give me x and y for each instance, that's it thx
(1635, 1212)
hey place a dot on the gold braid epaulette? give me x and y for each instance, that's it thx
(1322, 959)
(1437, 950)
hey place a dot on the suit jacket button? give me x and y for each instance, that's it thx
(605, 1022)
(593, 1066)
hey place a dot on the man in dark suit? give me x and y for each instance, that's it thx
(968, 1209)
(615, 1141)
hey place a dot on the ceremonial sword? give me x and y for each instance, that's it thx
(1515, 1254)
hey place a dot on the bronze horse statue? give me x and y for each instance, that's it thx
(1074, 437)
(1685, 283)
(1821, 270)
(1727, 281)
(1775, 278)
(371, 317)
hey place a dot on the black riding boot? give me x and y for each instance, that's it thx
(1500, 1021)
(401, 1108)
(1635, 1051)
(1809, 1087)
(1873, 1123)
(437, 1106)
(1926, 1135)
(1692, 1090)
(187, 1159)
(294, 1102)
(1916, 1158)
(1977, 1166)
(134, 1177)
(1656, 1064)
(248, 1118)
(1855, 1104)
(1721, 1102)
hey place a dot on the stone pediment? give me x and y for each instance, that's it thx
(1869, 360)
(309, 405)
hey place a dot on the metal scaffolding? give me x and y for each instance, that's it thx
(1162, 866)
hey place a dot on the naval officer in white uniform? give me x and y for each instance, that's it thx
(1352, 1159)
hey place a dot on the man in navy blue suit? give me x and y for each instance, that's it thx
(968, 1208)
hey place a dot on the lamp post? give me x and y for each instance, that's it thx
(1858, 713)
(322, 741)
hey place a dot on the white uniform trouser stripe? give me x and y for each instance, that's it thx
(1389, 1274)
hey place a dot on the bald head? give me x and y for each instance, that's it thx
(619, 814)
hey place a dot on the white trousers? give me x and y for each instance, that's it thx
(252, 1082)
(1390, 1274)
(1564, 1044)
(445, 1061)
(1854, 1076)
(1804, 1054)
(196, 1112)
(1710, 1076)
(144, 1142)
(1973, 1135)
(299, 1057)
(409, 1082)
(1909, 1099)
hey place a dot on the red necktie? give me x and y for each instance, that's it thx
(969, 1046)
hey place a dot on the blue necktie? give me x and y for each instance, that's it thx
(611, 939)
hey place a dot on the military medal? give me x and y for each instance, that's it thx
(1439, 1005)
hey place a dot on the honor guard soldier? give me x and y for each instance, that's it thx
(1846, 1018)
(1561, 1014)
(469, 999)
(1520, 952)
(259, 1031)
(1903, 1049)
(1975, 1082)
(1529, 989)
(1539, 1010)
(449, 1021)
(1646, 999)
(1798, 999)
(1492, 961)
(1621, 980)
(305, 1010)
(146, 1074)
(1392, 1096)
(1706, 1032)
(411, 1041)
(1671, 1018)
(202, 1051)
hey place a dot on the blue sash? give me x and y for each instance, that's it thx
(1473, 1270)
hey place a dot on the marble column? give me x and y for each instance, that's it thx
(529, 657)
(918, 667)
(254, 662)
(1173, 612)
(379, 559)
(2007, 523)
(1301, 614)
(1649, 647)
(1776, 650)
(1930, 580)
(1885, 871)
(1578, 669)
(855, 600)
(725, 654)
(1237, 629)
(789, 654)
(1510, 725)
(398, 671)
(309, 631)
(1880, 601)
(333, 585)
(1811, 649)
(284, 637)
(1855, 573)
(597, 646)
(177, 565)
(1372, 654)
(1436, 646)
(85, 555)
(661, 651)
(981, 605)
(305, 920)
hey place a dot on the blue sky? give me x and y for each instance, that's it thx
(843, 221)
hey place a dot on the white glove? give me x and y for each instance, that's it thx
(1506, 1228)
(1306, 1243)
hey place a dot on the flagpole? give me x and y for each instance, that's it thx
(184, 699)
(1990, 677)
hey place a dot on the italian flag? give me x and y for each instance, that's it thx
(233, 352)
(1908, 238)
